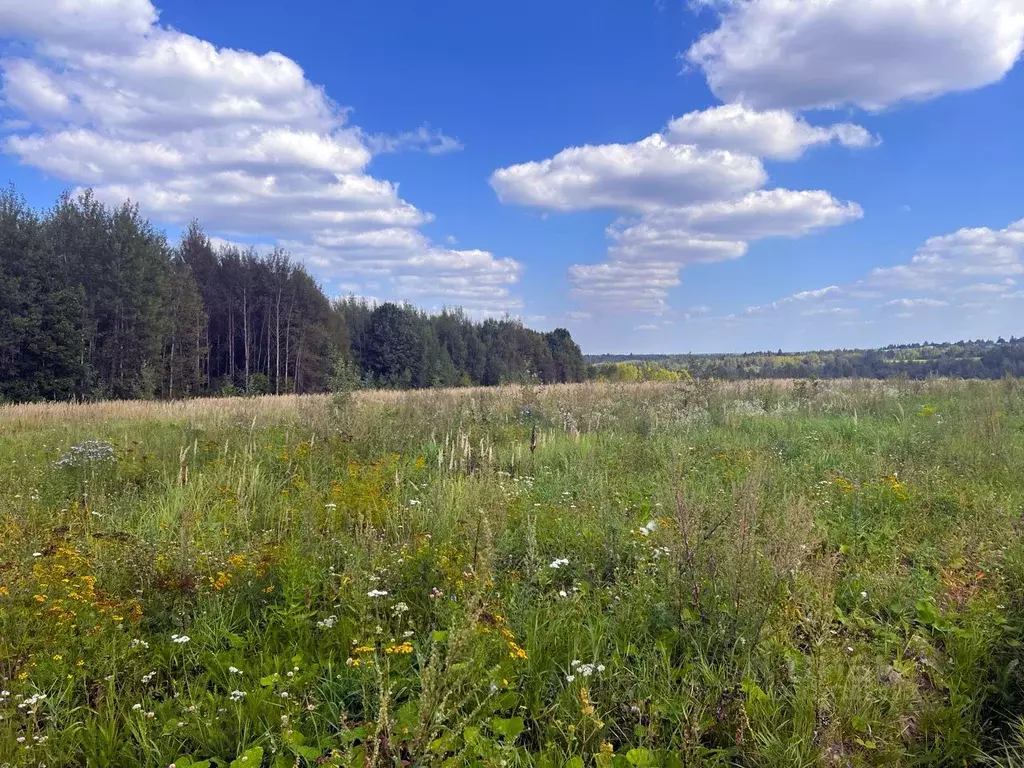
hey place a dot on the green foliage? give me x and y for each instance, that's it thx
(95, 304)
(963, 359)
(692, 574)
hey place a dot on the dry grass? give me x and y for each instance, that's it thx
(274, 409)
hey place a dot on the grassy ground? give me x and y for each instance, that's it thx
(751, 575)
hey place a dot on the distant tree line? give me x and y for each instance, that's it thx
(96, 303)
(962, 359)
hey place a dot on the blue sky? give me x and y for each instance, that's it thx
(711, 175)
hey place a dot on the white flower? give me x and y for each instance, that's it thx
(37, 554)
(237, 695)
(600, 667)
(408, 633)
(863, 595)
(327, 623)
(562, 593)
(558, 563)
(234, 670)
(330, 505)
(136, 707)
(570, 678)
(138, 643)
(180, 639)
(284, 694)
(377, 593)
(399, 609)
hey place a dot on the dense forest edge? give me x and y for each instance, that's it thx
(95, 304)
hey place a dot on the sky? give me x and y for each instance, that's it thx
(654, 175)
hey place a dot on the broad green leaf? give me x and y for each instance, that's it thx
(509, 727)
(251, 758)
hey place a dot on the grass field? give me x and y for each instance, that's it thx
(695, 574)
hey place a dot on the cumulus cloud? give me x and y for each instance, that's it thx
(796, 54)
(774, 133)
(244, 141)
(979, 261)
(640, 176)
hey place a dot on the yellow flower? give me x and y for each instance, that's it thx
(23, 675)
(3, 590)
(58, 657)
(515, 652)
(39, 598)
(364, 649)
(607, 748)
(402, 648)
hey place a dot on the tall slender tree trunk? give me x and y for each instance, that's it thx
(245, 332)
(277, 342)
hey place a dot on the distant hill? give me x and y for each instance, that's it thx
(963, 359)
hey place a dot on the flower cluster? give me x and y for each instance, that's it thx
(89, 452)
(559, 562)
(583, 670)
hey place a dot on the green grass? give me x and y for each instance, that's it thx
(680, 575)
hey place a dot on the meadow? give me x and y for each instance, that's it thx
(679, 574)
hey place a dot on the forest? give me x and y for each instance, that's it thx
(963, 360)
(96, 303)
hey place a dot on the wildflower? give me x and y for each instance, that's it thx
(377, 593)
(138, 643)
(147, 678)
(136, 707)
(21, 739)
(350, 662)
(408, 633)
(363, 649)
(863, 595)
(330, 505)
(403, 648)
(399, 609)
(37, 554)
(515, 652)
(562, 593)
(180, 639)
(234, 670)
(328, 622)
(570, 678)
(284, 694)
(559, 562)
(435, 593)
(57, 657)
(237, 695)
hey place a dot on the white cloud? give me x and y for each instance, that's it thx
(971, 263)
(774, 133)
(423, 139)
(641, 176)
(764, 213)
(243, 141)
(800, 54)
(624, 287)
(918, 302)
(647, 327)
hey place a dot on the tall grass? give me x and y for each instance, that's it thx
(754, 574)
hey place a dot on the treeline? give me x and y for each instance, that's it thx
(95, 303)
(963, 359)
